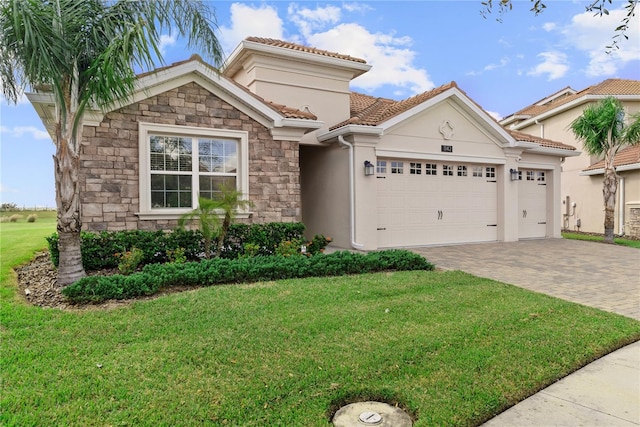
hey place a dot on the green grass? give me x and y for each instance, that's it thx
(450, 348)
(19, 240)
(591, 238)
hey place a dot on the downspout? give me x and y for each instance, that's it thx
(352, 194)
(621, 208)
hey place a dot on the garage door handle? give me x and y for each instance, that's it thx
(381, 177)
(492, 225)
(524, 213)
(440, 215)
(544, 222)
(381, 228)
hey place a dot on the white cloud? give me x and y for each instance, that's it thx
(503, 63)
(549, 26)
(167, 41)
(495, 115)
(554, 65)
(592, 34)
(310, 20)
(5, 189)
(28, 131)
(390, 57)
(246, 21)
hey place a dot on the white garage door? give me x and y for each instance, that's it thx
(427, 203)
(532, 203)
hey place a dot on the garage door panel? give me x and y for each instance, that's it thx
(532, 204)
(435, 209)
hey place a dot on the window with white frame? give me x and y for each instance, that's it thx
(490, 172)
(531, 176)
(381, 166)
(462, 171)
(430, 169)
(180, 163)
(447, 170)
(477, 171)
(541, 176)
(415, 168)
(397, 167)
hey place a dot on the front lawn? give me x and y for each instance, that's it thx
(598, 238)
(450, 348)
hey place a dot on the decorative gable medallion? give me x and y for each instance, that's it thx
(446, 129)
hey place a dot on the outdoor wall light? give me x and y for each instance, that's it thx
(369, 169)
(514, 174)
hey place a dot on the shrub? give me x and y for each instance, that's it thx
(220, 270)
(15, 217)
(289, 248)
(99, 249)
(32, 218)
(129, 260)
(176, 255)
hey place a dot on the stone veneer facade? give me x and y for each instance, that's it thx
(109, 166)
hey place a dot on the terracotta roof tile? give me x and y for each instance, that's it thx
(607, 87)
(521, 136)
(370, 111)
(301, 48)
(627, 156)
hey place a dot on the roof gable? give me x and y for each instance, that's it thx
(626, 157)
(568, 97)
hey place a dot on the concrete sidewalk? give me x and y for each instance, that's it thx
(603, 393)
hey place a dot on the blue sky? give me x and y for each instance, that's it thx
(412, 46)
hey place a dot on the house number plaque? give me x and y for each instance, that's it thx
(446, 148)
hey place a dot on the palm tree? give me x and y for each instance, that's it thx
(85, 53)
(228, 200)
(602, 130)
(207, 215)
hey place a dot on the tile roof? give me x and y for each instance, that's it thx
(370, 111)
(287, 112)
(608, 87)
(301, 48)
(521, 136)
(627, 156)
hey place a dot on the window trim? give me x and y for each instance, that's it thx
(145, 129)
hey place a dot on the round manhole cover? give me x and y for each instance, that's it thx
(362, 414)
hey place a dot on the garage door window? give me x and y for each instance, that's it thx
(531, 176)
(541, 177)
(381, 166)
(430, 169)
(477, 171)
(447, 170)
(462, 171)
(490, 172)
(415, 168)
(397, 167)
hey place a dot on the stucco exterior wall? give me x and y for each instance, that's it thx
(584, 191)
(110, 168)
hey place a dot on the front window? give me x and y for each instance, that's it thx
(180, 163)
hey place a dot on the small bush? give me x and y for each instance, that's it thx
(129, 260)
(220, 270)
(176, 255)
(32, 218)
(15, 217)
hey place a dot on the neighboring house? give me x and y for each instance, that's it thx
(582, 176)
(280, 122)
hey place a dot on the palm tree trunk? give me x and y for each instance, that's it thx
(609, 188)
(66, 168)
(226, 223)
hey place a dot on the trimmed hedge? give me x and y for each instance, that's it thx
(99, 249)
(221, 271)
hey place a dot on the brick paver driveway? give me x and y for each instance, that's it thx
(594, 274)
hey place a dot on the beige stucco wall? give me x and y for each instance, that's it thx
(584, 191)
(324, 183)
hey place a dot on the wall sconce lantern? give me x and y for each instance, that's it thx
(514, 174)
(369, 169)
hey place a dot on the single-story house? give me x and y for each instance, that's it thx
(280, 122)
(582, 176)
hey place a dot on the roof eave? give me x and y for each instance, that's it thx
(569, 105)
(349, 130)
(621, 168)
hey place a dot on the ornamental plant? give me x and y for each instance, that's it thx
(130, 260)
